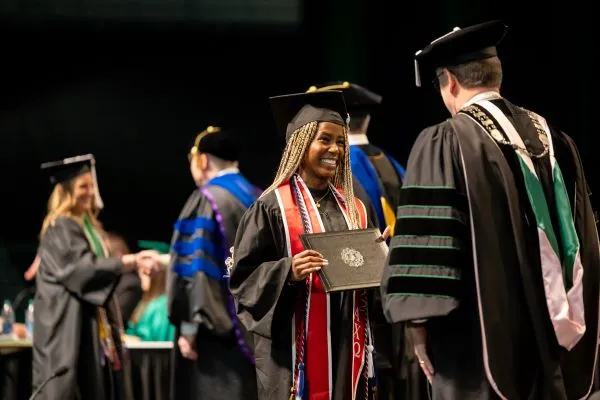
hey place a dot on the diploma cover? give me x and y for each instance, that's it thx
(356, 260)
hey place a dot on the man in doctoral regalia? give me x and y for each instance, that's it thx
(214, 360)
(495, 257)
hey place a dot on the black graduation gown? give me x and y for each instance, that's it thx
(266, 301)
(71, 283)
(221, 370)
(465, 211)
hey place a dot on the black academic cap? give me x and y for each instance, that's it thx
(291, 111)
(357, 98)
(217, 142)
(61, 171)
(459, 46)
(64, 170)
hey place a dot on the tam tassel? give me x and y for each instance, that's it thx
(300, 388)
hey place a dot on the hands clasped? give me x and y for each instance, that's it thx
(146, 261)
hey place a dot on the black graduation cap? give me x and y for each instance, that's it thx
(357, 98)
(291, 111)
(459, 46)
(61, 171)
(217, 142)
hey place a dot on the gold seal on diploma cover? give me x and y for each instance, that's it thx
(352, 257)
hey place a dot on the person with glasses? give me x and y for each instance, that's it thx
(495, 259)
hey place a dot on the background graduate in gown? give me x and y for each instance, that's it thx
(78, 325)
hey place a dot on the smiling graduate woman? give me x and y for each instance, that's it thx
(308, 344)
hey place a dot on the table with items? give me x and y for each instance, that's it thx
(150, 363)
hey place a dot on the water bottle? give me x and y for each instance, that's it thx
(8, 318)
(29, 318)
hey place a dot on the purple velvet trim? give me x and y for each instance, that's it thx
(239, 337)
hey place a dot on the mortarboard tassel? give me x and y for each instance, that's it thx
(417, 72)
(97, 199)
(300, 388)
(370, 363)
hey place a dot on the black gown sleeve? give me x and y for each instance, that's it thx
(68, 260)
(199, 298)
(209, 305)
(422, 276)
(260, 276)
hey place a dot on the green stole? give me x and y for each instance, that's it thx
(562, 276)
(93, 237)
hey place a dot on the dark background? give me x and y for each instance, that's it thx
(133, 81)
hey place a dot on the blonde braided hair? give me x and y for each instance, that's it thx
(292, 157)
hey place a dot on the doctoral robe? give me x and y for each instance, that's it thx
(199, 293)
(466, 257)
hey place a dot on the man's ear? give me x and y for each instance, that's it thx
(453, 85)
(203, 161)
